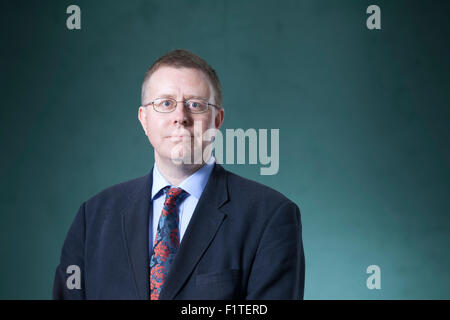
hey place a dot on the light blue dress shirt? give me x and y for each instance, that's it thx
(193, 185)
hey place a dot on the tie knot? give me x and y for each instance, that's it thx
(174, 195)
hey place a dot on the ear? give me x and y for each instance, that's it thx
(219, 118)
(142, 116)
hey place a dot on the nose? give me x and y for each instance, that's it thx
(180, 115)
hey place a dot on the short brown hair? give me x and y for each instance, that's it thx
(185, 59)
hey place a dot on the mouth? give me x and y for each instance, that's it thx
(179, 137)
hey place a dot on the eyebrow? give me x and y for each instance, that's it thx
(187, 97)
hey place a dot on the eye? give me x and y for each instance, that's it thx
(196, 105)
(166, 103)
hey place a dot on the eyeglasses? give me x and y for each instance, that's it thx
(166, 105)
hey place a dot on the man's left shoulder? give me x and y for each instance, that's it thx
(255, 192)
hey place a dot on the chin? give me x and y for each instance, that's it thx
(179, 154)
(184, 154)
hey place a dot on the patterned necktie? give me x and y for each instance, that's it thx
(167, 240)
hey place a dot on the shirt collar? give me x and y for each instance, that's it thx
(194, 184)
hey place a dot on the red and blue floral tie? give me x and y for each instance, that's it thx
(167, 240)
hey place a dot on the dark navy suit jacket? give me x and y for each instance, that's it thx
(244, 241)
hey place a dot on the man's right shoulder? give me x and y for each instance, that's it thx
(116, 197)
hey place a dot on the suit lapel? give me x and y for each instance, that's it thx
(135, 219)
(205, 222)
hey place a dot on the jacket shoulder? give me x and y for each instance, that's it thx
(116, 196)
(253, 191)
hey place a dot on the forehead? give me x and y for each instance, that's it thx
(178, 82)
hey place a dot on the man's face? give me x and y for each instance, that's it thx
(172, 134)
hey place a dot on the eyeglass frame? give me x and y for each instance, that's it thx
(184, 104)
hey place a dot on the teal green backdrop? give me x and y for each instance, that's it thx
(363, 118)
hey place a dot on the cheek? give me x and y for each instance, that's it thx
(156, 123)
(209, 129)
(155, 130)
(203, 125)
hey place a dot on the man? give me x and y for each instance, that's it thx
(189, 229)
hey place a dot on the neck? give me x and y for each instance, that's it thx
(173, 172)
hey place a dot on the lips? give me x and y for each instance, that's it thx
(179, 137)
(181, 134)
